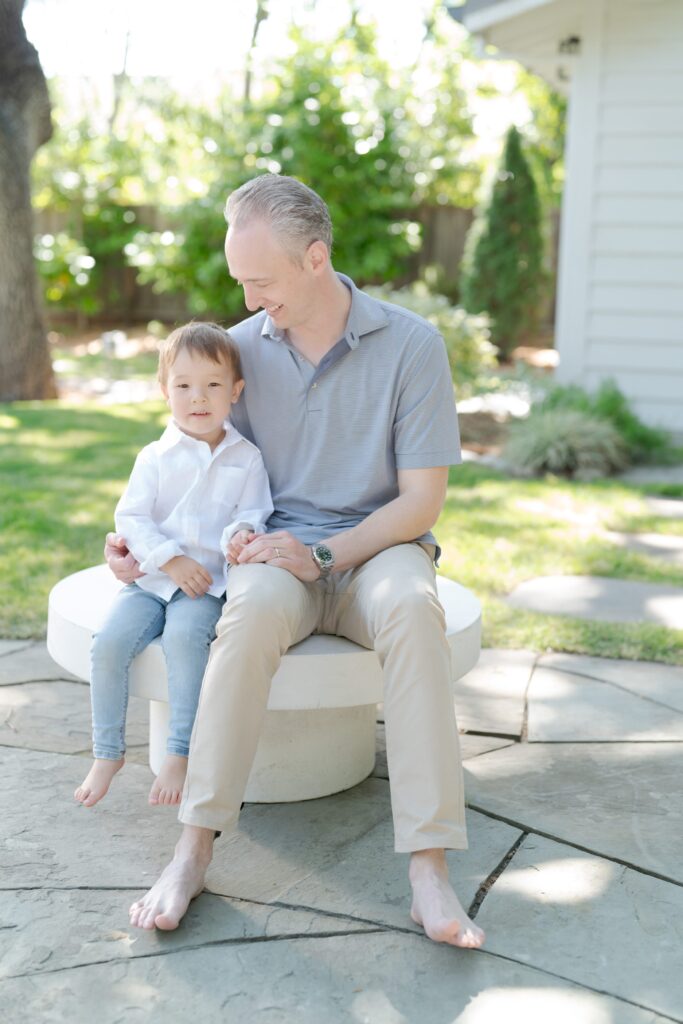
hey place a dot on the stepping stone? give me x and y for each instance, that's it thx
(56, 717)
(653, 475)
(54, 930)
(350, 978)
(565, 708)
(490, 698)
(621, 800)
(591, 921)
(600, 598)
(654, 545)
(667, 508)
(649, 679)
(30, 664)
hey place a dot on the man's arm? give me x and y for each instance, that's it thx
(422, 493)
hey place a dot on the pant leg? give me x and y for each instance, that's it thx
(266, 611)
(136, 617)
(390, 603)
(189, 631)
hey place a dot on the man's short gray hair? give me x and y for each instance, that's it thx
(294, 211)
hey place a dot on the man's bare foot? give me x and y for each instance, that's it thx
(183, 879)
(167, 788)
(97, 781)
(435, 905)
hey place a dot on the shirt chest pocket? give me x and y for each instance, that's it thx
(228, 485)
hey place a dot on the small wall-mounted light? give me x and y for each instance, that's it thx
(570, 44)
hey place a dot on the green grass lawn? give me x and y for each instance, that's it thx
(62, 468)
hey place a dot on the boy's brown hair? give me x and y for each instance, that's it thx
(205, 339)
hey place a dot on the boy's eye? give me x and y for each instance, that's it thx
(182, 385)
(215, 384)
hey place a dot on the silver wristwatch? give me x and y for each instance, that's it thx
(323, 558)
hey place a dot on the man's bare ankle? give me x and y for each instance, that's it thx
(196, 843)
(428, 861)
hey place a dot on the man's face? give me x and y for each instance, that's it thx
(270, 277)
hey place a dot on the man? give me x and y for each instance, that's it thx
(351, 404)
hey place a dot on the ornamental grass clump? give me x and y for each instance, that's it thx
(565, 442)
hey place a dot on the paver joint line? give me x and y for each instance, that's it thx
(155, 954)
(617, 686)
(575, 846)
(488, 882)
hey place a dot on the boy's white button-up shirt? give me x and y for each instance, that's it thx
(184, 499)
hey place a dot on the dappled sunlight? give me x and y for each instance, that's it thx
(567, 880)
(566, 1005)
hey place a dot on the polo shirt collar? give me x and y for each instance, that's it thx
(365, 316)
(173, 436)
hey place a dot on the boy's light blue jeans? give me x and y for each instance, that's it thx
(187, 626)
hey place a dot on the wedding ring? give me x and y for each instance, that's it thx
(277, 553)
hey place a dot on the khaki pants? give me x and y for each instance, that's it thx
(390, 604)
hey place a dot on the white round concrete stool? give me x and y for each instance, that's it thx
(319, 731)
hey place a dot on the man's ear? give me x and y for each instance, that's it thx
(317, 256)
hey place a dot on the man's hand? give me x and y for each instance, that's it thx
(119, 559)
(284, 551)
(237, 544)
(190, 576)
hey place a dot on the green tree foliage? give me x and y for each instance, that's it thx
(503, 265)
(327, 118)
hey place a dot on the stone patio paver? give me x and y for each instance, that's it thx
(490, 698)
(601, 598)
(30, 664)
(340, 980)
(651, 679)
(619, 800)
(53, 930)
(591, 921)
(55, 716)
(564, 707)
(11, 646)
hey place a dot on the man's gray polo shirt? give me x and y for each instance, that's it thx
(334, 436)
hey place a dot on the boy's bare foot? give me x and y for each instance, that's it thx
(183, 879)
(97, 781)
(167, 788)
(435, 905)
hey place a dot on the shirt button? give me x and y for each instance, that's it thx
(314, 385)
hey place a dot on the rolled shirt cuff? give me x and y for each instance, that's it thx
(160, 556)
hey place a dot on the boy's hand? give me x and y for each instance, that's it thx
(191, 577)
(237, 544)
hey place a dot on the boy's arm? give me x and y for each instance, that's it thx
(255, 505)
(134, 521)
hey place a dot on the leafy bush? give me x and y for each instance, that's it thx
(565, 442)
(502, 266)
(470, 352)
(643, 443)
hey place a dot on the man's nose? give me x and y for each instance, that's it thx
(250, 298)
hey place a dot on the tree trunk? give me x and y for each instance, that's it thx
(25, 368)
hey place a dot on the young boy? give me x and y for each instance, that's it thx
(196, 495)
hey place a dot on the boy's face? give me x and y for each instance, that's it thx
(200, 393)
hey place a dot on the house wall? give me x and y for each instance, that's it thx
(620, 302)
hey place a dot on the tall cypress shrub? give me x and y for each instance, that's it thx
(503, 262)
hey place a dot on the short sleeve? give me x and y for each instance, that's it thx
(426, 430)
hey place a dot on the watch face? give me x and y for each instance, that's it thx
(323, 556)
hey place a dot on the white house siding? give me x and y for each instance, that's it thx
(620, 309)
